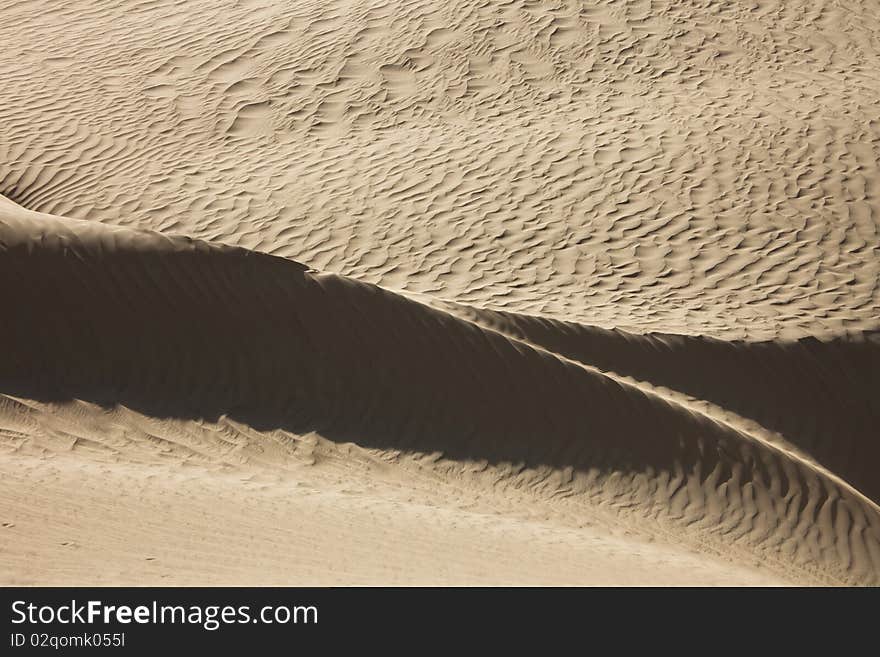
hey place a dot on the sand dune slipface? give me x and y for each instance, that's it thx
(818, 394)
(180, 329)
(594, 282)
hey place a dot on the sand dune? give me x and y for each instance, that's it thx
(763, 386)
(650, 165)
(176, 328)
(592, 288)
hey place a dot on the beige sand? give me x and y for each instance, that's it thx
(440, 292)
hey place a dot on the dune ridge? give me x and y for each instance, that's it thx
(180, 328)
(767, 381)
(655, 165)
(525, 273)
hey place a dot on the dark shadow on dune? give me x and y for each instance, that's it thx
(200, 333)
(823, 396)
(176, 328)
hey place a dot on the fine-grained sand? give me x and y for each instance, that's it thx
(459, 292)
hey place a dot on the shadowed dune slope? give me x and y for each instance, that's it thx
(821, 395)
(179, 328)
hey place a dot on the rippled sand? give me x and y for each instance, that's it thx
(440, 292)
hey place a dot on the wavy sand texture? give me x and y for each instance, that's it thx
(594, 284)
(678, 166)
(177, 328)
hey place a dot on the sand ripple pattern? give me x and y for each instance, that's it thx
(682, 166)
(182, 329)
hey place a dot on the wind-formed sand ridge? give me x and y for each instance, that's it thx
(407, 291)
(178, 328)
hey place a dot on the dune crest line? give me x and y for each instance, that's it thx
(174, 327)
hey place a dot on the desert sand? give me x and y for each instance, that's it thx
(457, 292)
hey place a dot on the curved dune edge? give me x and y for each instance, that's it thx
(177, 328)
(815, 396)
(686, 166)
